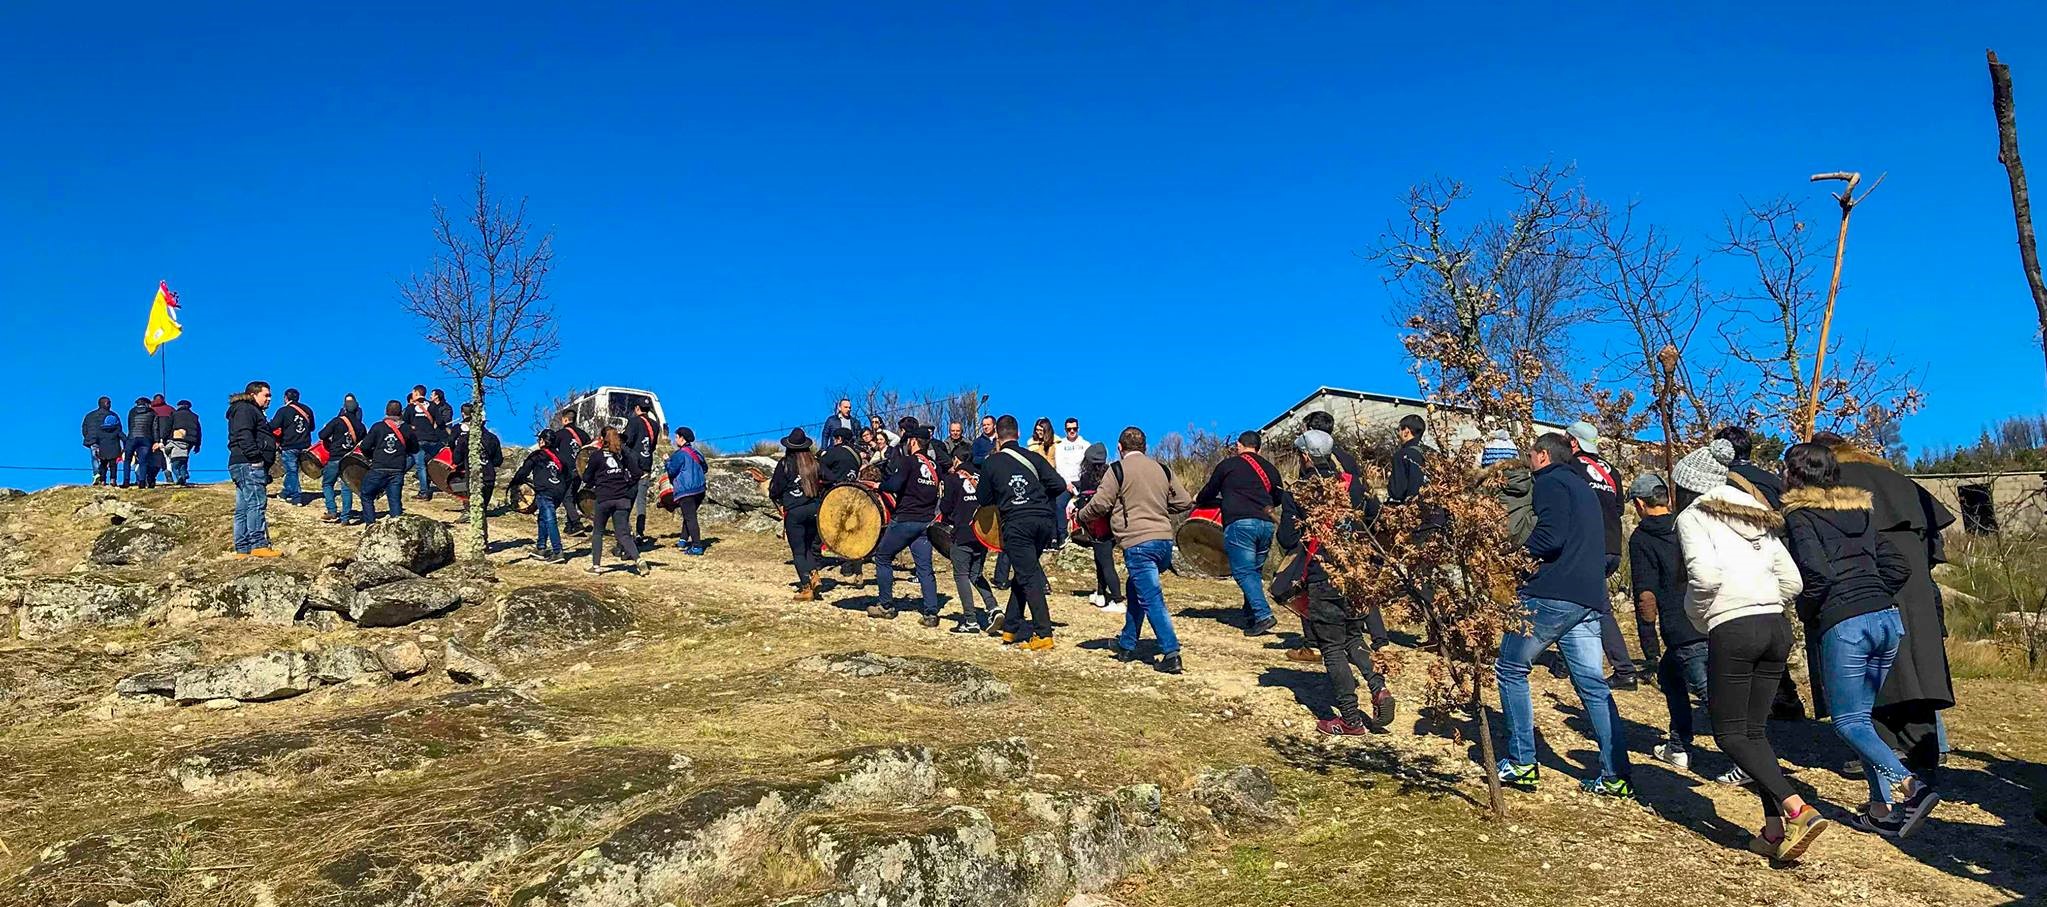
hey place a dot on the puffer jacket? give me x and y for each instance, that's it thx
(1849, 570)
(1735, 564)
(248, 434)
(1517, 495)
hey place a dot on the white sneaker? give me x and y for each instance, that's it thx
(1673, 754)
(1097, 600)
(1113, 608)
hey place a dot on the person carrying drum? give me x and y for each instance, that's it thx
(1140, 496)
(493, 457)
(1246, 486)
(544, 471)
(969, 557)
(1108, 594)
(389, 445)
(566, 442)
(339, 436)
(915, 480)
(841, 461)
(1330, 624)
(614, 477)
(641, 434)
(293, 425)
(1021, 485)
(798, 487)
(687, 473)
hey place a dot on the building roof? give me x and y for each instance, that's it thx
(1394, 399)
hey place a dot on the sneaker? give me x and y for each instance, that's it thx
(1522, 777)
(1763, 847)
(1262, 627)
(1853, 769)
(1383, 707)
(1040, 644)
(266, 552)
(1007, 637)
(1337, 727)
(1097, 600)
(1125, 656)
(1169, 663)
(1673, 754)
(995, 630)
(237, 555)
(1916, 808)
(1305, 655)
(1799, 833)
(882, 612)
(331, 518)
(1113, 607)
(1609, 787)
(1890, 826)
(808, 593)
(593, 570)
(1733, 776)
(694, 551)
(929, 621)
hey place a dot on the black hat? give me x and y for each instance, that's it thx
(688, 436)
(796, 441)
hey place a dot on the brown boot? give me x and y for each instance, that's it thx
(808, 593)
(1303, 654)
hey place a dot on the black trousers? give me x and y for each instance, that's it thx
(569, 507)
(691, 532)
(1107, 583)
(968, 560)
(617, 514)
(1908, 727)
(1343, 647)
(1025, 539)
(800, 525)
(1745, 660)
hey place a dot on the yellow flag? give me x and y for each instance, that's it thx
(163, 319)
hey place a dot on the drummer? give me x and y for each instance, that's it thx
(613, 476)
(915, 480)
(798, 487)
(841, 462)
(389, 445)
(566, 442)
(493, 456)
(1140, 496)
(969, 557)
(339, 436)
(545, 473)
(1246, 486)
(1022, 485)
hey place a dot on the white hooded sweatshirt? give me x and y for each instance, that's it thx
(1736, 565)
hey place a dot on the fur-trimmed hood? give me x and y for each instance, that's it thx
(1849, 453)
(1740, 510)
(1839, 497)
(239, 397)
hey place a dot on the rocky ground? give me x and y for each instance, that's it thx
(363, 722)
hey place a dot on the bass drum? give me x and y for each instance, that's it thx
(988, 527)
(940, 536)
(522, 498)
(1200, 540)
(446, 476)
(851, 519)
(354, 468)
(312, 461)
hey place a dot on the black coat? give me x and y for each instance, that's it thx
(1020, 484)
(142, 421)
(839, 464)
(389, 445)
(248, 434)
(1848, 569)
(542, 472)
(107, 441)
(1326, 603)
(1657, 565)
(426, 424)
(642, 435)
(1767, 482)
(493, 450)
(293, 425)
(1569, 541)
(612, 477)
(89, 429)
(916, 483)
(1911, 520)
(1246, 487)
(1407, 479)
(342, 433)
(785, 487)
(187, 421)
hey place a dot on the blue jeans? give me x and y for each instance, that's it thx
(388, 482)
(252, 526)
(1681, 674)
(139, 464)
(427, 450)
(289, 460)
(1575, 630)
(899, 535)
(548, 537)
(1248, 542)
(330, 481)
(1147, 600)
(181, 470)
(1857, 654)
(1059, 520)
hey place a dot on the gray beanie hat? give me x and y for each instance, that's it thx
(1317, 444)
(1704, 469)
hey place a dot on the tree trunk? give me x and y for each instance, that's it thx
(2021, 202)
(1485, 750)
(476, 536)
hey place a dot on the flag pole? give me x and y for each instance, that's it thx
(163, 363)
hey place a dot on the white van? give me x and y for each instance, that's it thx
(610, 406)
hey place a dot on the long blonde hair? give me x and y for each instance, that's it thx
(805, 464)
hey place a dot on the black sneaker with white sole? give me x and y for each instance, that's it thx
(1915, 809)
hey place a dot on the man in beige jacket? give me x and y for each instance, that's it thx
(1140, 497)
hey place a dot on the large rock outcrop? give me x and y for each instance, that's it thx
(411, 541)
(555, 616)
(252, 678)
(50, 606)
(400, 603)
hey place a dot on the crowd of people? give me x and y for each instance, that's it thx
(1723, 555)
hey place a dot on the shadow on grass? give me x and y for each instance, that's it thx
(1366, 762)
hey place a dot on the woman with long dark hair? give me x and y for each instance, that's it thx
(798, 487)
(1108, 595)
(1852, 575)
(613, 477)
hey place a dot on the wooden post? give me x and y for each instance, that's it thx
(1848, 201)
(2021, 202)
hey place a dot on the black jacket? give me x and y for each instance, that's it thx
(565, 442)
(1912, 520)
(612, 477)
(916, 483)
(958, 503)
(1605, 484)
(1767, 482)
(1020, 483)
(642, 435)
(1657, 565)
(184, 419)
(89, 430)
(1326, 603)
(388, 446)
(248, 434)
(342, 433)
(493, 450)
(1849, 570)
(1567, 542)
(785, 487)
(1407, 479)
(293, 425)
(426, 424)
(1245, 486)
(142, 421)
(838, 464)
(546, 477)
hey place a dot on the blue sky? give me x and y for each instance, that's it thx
(1120, 212)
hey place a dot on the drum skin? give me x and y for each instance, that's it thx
(851, 519)
(1200, 540)
(988, 527)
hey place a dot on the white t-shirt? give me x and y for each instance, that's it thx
(1066, 457)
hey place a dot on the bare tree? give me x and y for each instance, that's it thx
(1506, 289)
(483, 300)
(1769, 324)
(2002, 105)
